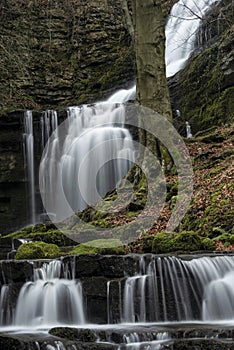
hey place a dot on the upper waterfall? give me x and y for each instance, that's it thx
(181, 32)
(93, 138)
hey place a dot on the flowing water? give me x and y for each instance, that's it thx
(53, 299)
(181, 32)
(49, 123)
(94, 137)
(29, 161)
(162, 295)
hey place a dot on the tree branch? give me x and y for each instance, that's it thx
(128, 18)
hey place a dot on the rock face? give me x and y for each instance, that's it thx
(204, 91)
(14, 197)
(13, 201)
(58, 53)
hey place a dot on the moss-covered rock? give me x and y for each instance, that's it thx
(46, 233)
(37, 250)
(167, 242)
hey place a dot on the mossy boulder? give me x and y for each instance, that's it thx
(167, 242)
(37, 250)
(46, 233)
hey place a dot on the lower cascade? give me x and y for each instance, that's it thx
(142, 308)
(52, 299)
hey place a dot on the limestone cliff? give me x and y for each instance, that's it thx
(59, 53)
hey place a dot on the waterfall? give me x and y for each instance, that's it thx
(50, 300)
(49, 123)
(218, 300)
(162, 296)
(181, 32)
(29, 162)
(200, 289)
(148, 341)
(5, 311)
(87, 132)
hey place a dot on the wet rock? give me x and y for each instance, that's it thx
(83, 335)
(8, 248)
(15, 271)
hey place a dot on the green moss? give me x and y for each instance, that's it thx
(53, 237)
(216, 211)
(221, 235)
(167, 242)
(64, 332)
(46, 233)
(37, 250)
(23, 233)
(208, 244)
(100, 246)
(132, 214)
(215, 171)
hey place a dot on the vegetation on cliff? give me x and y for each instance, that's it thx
(203, 91)
(208, 224)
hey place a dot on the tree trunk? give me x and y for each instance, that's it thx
(152, 89)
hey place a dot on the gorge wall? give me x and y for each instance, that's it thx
(59, 53)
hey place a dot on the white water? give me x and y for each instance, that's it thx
(201, 289)
(49, 123)
(218, 301)
(94, 138)
(164, 292)
(50, 300)
(5, 312)
(181, 32)
(29, 162)
(149, 342)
